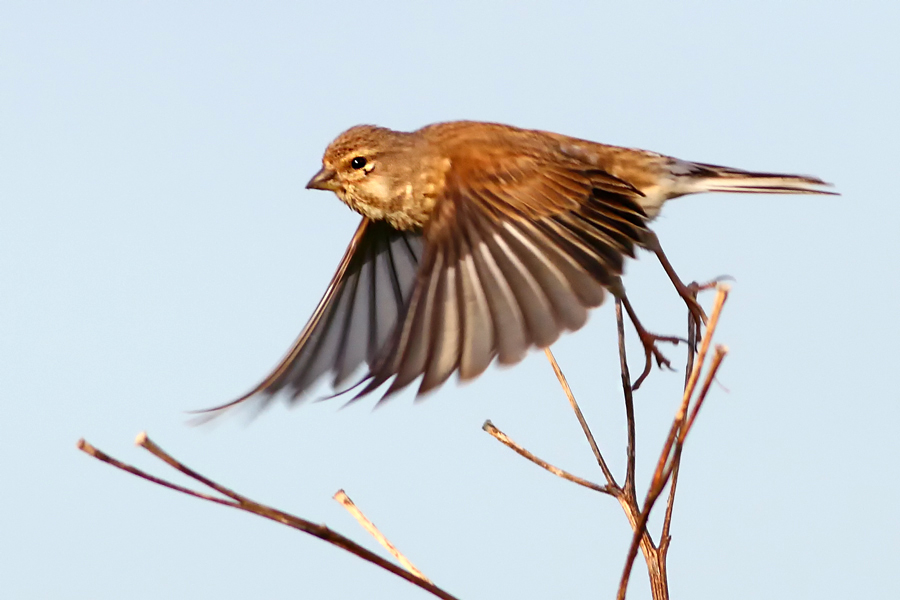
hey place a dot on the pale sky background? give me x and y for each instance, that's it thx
(158, 253)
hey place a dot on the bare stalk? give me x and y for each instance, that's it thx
(693, 334)
(628, 392)
(369, 526)
(506, 441)
(669, 459)
(666, 471)
(563, 382)
(235, 500)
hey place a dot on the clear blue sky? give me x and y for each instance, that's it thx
(158, 253)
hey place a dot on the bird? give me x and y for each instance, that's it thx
(480, 241)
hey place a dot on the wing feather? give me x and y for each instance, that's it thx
(444, 350)
(355, 318)
(515, 256)
(477, 328)
(516, 250)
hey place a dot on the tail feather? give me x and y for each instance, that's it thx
(713, 178)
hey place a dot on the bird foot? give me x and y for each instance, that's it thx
(689, 294)
(651, 352)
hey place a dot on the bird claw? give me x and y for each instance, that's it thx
(651, 352)
(649, 340)
(698, 316)
(695, 287)
(697, 312)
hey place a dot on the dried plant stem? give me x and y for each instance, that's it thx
(716, 361)
(667, 467)
(235, 500)
(669, 460)
(624, 494)
(369, 526)
(628, 392)
(563, 382)
(506, 441)
(665, 473)
(693, 333)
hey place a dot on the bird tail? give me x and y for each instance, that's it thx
(713, 178)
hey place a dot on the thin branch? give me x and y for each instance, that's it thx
(693, 333)
(717, 358)
(665, 466)
(369, 526)
(145, 442)
(665, 538)
(653, 494)
(630, 461)
(721, 296)
(610, 480)
(90, 450)
(506, 441)
(242, 503)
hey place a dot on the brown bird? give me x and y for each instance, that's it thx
(481, 241)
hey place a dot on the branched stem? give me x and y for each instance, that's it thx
(563, 382)
(667, 467)
(665, 473)
(670, 457)
(240, 502)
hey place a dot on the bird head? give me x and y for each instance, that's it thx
(368, 168)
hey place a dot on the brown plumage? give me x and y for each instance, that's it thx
(480, 241)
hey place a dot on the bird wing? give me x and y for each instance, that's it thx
(517, 250)
(355, 317)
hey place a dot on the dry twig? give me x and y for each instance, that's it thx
(669, 460)
(667, 467)
(610, 480)
(235, 500)
(369, 526)
(505, 440)
(666, 472)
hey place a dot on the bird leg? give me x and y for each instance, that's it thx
(648, 340)
(687, 292)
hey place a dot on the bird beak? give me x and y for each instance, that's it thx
(323, 180)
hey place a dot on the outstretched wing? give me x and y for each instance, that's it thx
(518, 250)
(356, 316)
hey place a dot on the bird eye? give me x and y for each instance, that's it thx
(358, 163)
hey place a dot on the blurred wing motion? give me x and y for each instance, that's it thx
(355, 317)
(518, 249)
